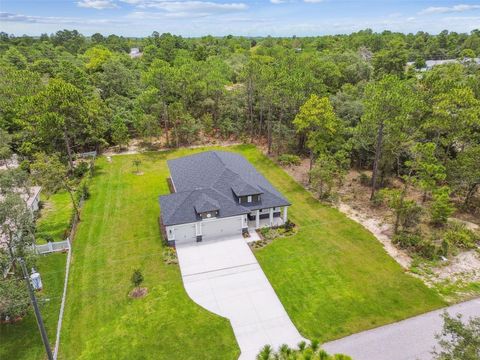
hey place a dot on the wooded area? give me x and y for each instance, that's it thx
(345, 101)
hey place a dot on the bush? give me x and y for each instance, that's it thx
(14, 300)
(289, 160)
(461, 237)
(407, 240)
(80, 170)
(364, 179)
(378, 199)
(415, 243)
(289, 226)
(441, 207)
(427, 249)
(137, 278)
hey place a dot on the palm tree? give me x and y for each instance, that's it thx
(304, 351)
(266, 353)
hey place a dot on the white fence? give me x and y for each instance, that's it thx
(53, 247)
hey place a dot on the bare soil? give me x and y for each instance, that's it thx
(137, 146)
(137, 293)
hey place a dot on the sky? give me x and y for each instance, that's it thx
(237, 17)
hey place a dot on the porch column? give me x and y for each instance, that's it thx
(285, 209)
(271, 216)
(198, 231)
(257, 219)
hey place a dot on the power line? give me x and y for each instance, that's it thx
(41, 325)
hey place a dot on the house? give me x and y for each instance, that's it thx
(430, 64)
(218, 194)
(32, 201)
(135, 53)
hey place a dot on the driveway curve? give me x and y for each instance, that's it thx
(224, 277)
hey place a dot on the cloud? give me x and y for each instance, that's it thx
(449, 9)
(19, 18)
(187, 6)
(182, 9)
(97, 4)
(313, 1)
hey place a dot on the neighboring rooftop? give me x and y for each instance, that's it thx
(213, 180)
(429, 64)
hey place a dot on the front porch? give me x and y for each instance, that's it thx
(267, 218)
(277, 221)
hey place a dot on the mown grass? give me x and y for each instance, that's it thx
(333, 276)
(119, 232)
(54, 219)
(21, 340)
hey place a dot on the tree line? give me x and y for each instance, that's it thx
(345, 101)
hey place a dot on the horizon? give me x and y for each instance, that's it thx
(249, 18)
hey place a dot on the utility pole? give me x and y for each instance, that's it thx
(40, 324)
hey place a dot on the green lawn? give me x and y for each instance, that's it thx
(54, 218)
(333, 277)
(118, 233)
(22, 341)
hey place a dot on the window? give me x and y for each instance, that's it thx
(249, 199)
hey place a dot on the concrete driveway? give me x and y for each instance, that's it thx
(410, 339)
(225, 278)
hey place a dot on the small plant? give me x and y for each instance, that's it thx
(136, 163)
(81, 169)
(289, 225)
(289, 160)
(364, 179)
(137, 278)
(170, 256)
(459, 236)
(441, 207)
(378, 199)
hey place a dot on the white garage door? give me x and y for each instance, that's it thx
(221, 228)
(185, 233)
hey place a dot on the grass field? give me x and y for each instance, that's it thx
(333, 277)
(118, 233)
(22, 341)
(54, 218)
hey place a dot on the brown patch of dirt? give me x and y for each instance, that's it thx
(137, 146)
(138, 293)
(462, 267)
(299, 172)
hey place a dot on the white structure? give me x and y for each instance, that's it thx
(135, 53)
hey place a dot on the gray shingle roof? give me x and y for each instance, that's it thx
(209, 181)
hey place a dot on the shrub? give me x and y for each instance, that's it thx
(441, 207)
(427, 249)
(289, 160)
(378, 199)
(137, 278)
(461, 237)
(83, 191)
(80, 170)
(407, 240)
(364, 179)
(289, 226)
(14, 301)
